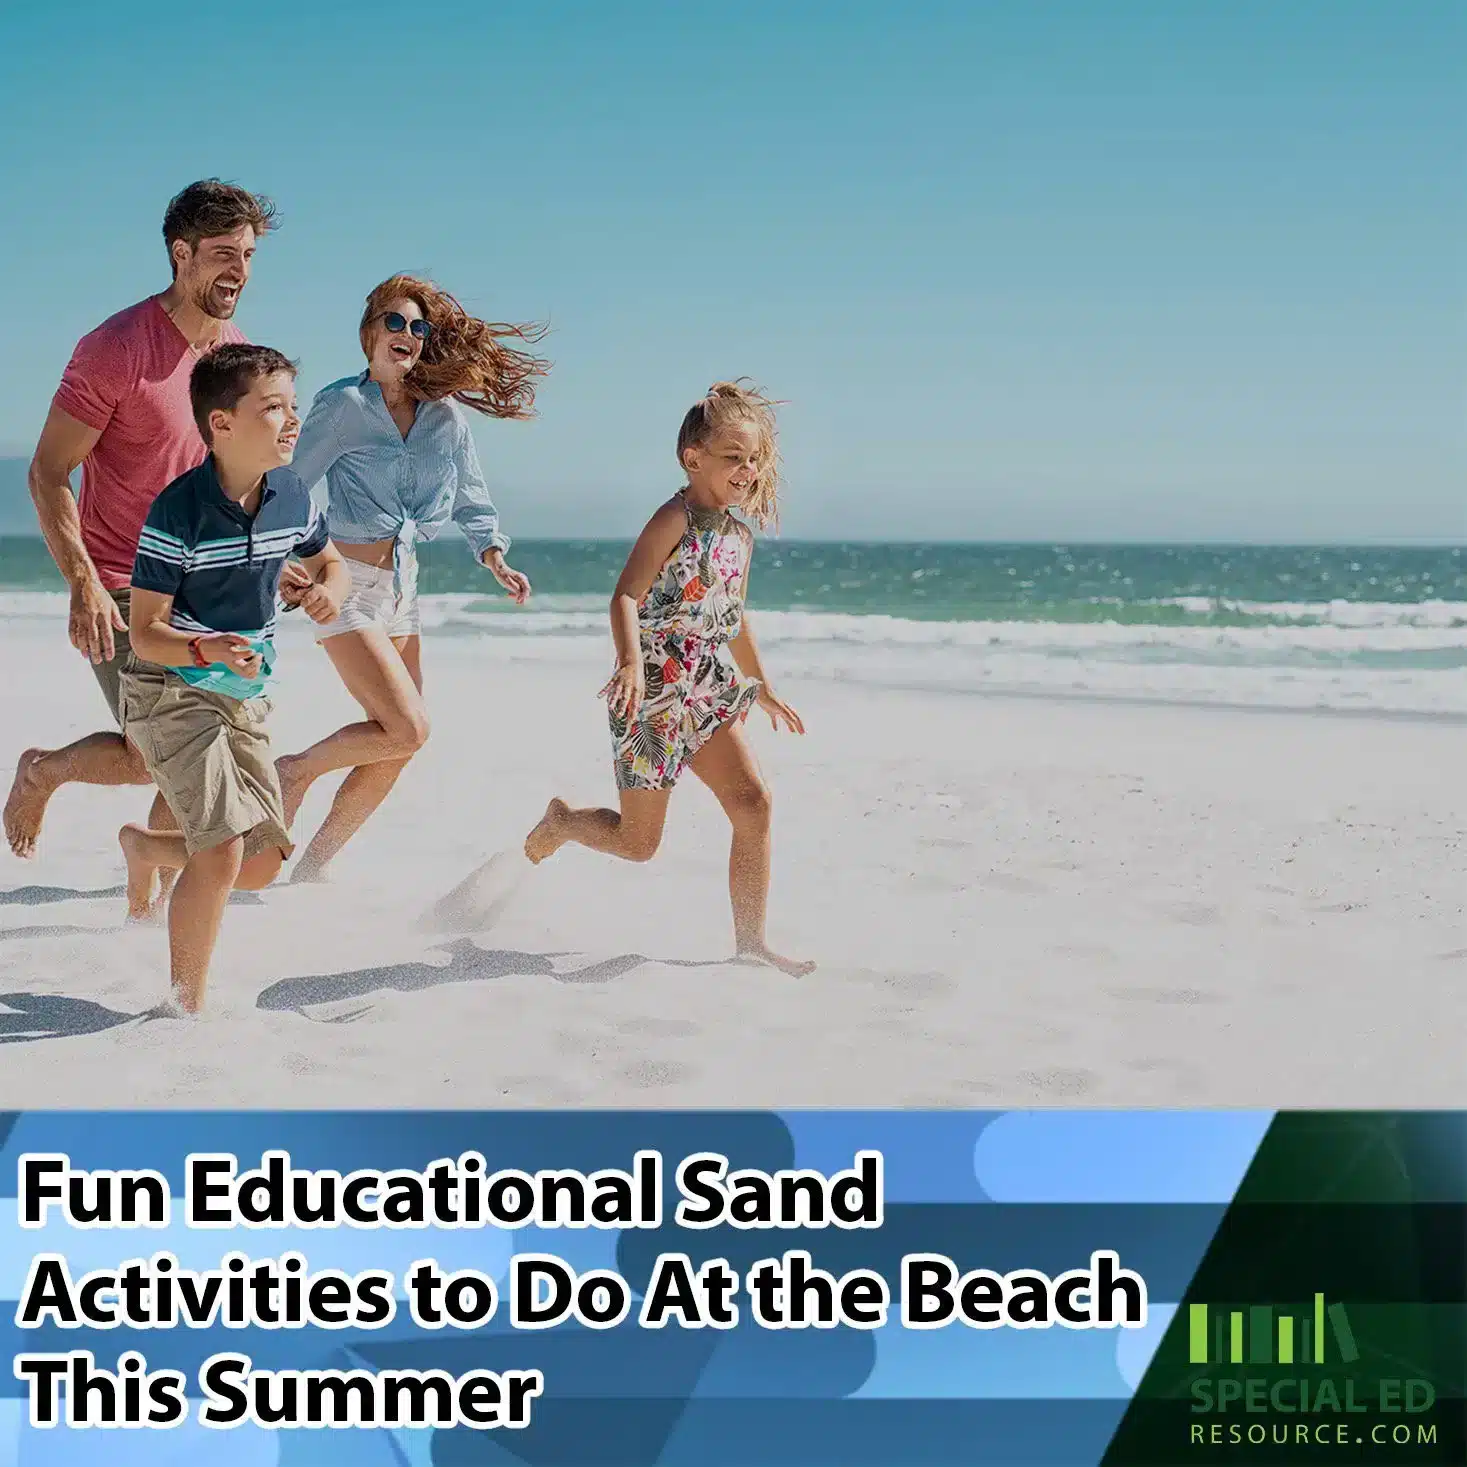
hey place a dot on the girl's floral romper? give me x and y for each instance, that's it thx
(694, 687)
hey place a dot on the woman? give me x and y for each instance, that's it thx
(398, 457)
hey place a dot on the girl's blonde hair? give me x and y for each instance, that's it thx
(725, 404)
(464, 358)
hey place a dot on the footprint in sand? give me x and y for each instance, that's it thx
(937, 885)
(919, 985)
(1192, 914)
(980, 1087)
(583, 1044)
(1186, 1079)
(1085, 951)
(668, 1028)
(300, 1064)
(893, 1026)
(1039, 1032)
(890, 1011)
(1017, 885)
(539, 1090)
(1165, 995)
(1061, 1081)
(657, 1074)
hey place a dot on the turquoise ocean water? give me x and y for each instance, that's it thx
(1370, 628)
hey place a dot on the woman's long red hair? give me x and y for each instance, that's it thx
(464, 358)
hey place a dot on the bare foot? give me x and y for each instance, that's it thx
(765, 956)
(170, 1008)
(142, 875)
(307, 873)
(187, 1006)
(549, 835)
(26, 807)
(294, 782)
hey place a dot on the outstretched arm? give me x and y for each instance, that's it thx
(64, 444)
(475, 515)
(746, 653)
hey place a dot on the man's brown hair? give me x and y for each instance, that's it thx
(209, 208)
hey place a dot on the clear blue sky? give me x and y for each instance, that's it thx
(1060, 270)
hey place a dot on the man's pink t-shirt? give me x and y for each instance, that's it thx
(129, 380)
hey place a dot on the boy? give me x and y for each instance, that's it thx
(201, 624)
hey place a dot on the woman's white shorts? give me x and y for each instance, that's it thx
(376, 601)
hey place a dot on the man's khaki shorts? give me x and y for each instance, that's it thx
(209, 755)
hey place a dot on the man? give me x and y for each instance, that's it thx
(122, 413)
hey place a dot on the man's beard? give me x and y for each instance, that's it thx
(212, 303)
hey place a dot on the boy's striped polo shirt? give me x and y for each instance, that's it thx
(222, 566)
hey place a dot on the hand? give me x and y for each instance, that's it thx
(295, 582)
(94, 621)
(780, 712)
(625, 691)
(320, 605)
(513, 581)
(234, 652)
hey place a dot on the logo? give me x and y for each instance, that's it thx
(1303, 1377)
(1216, 1336)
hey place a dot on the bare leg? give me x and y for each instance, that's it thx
(363, 790)
(633, 833)
(160, 817)
(155, 854)
(194, 915)
(357, 798)
(377, 675)
(726, 764)
(197, 907)
(99, 758)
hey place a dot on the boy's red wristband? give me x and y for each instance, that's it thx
(196, 652)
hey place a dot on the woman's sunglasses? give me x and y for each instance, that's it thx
(395, 321)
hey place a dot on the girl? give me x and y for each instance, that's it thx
(688, 669)
(395, 448)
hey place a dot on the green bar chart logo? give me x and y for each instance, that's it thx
(1263, 1334)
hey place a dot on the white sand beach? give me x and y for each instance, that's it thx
(1012, 901)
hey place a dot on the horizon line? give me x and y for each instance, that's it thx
(1053, 542)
